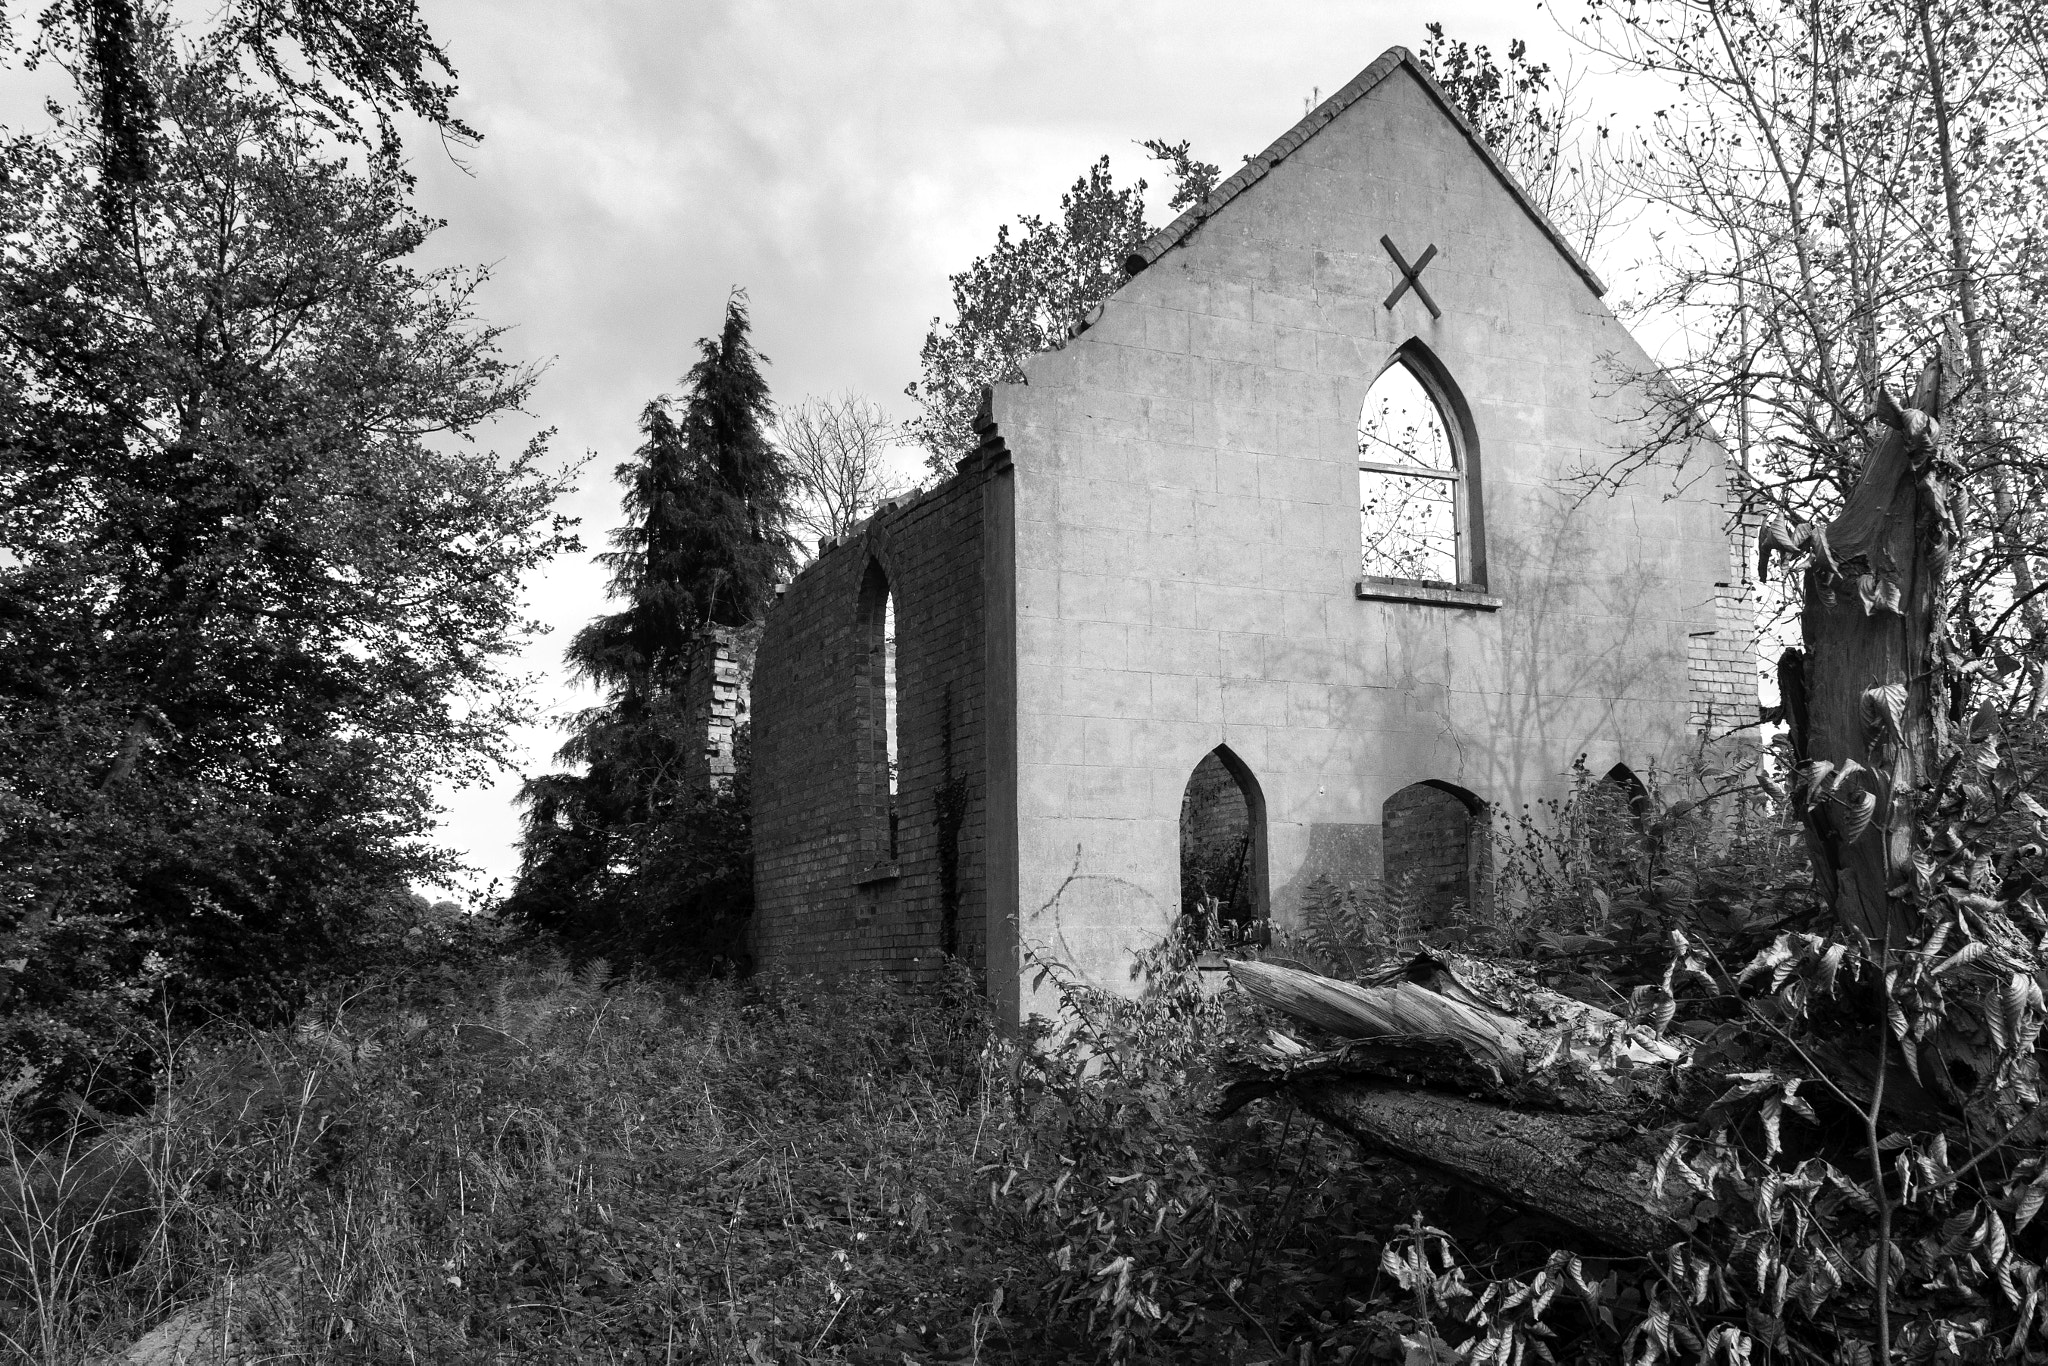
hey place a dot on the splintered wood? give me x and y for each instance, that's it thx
(1462, 1067)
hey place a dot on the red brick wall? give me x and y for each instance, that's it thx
(827, 897)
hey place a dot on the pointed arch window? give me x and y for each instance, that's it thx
(876, 725)
(1436, 853)
(1417, 505)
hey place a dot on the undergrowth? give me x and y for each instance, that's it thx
(480, 1154)
(521, 1161)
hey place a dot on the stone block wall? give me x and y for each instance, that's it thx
(828, 898)
(1188, 532)
(716, 702)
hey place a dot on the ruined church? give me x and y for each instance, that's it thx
(1275, 578)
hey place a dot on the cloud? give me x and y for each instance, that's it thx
(838, 161)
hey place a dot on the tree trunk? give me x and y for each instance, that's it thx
(1438, 1075)
(1860, 699)
(1589, 1172)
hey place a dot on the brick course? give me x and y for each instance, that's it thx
(1721, 665)
(828, 897)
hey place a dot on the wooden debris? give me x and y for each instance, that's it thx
(1354, 1012)
(1453, 1064)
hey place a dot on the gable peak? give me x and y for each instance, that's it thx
(1254, 170)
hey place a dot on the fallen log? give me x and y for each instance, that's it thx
(1592, 1173)
(1430, 996)
(1524, 1094)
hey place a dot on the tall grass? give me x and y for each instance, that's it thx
(524, 1162)
(546, 1165)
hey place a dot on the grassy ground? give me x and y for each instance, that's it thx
(521, 1162)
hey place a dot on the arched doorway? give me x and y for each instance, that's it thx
(1616, 814)
(1435, 852)
(1223, 850)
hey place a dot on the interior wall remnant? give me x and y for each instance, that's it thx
(1435, 850)
(716, 700)
(870, 755)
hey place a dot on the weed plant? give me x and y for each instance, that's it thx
(473, 1152)
(521, 1161)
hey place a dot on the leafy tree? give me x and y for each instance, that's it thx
(1839, 184)
(1020, 298)
(328, 58)
(636, 853)
(256, 579)
(1527, 117)
(1193, 179)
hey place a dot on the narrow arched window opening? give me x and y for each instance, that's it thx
(1415, 509)
(1436, 857)
(891, 715)
(1623, 787)
(877, 721)
(1223, 852)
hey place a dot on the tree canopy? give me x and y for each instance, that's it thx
(1020, 298)
(1838, 186)
(258, 579)
(331, 60)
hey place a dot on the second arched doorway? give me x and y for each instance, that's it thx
(1436, 851)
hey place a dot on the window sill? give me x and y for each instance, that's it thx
(876, 872)
(1465, 596)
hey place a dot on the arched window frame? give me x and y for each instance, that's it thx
(1468, 508)
(877, 725)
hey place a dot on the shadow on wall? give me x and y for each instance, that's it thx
(1563, 637)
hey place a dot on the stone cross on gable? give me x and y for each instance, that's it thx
(1411, 276)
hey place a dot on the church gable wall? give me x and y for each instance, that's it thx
(1187, 535)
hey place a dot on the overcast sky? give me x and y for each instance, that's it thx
(640, 159)
(839, 162)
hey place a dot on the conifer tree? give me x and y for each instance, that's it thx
(627, 856)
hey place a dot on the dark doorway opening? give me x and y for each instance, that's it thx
(1223, 852)
(1435, 854)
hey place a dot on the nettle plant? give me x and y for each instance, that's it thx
(1900, 1213)
(1917, 1010)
